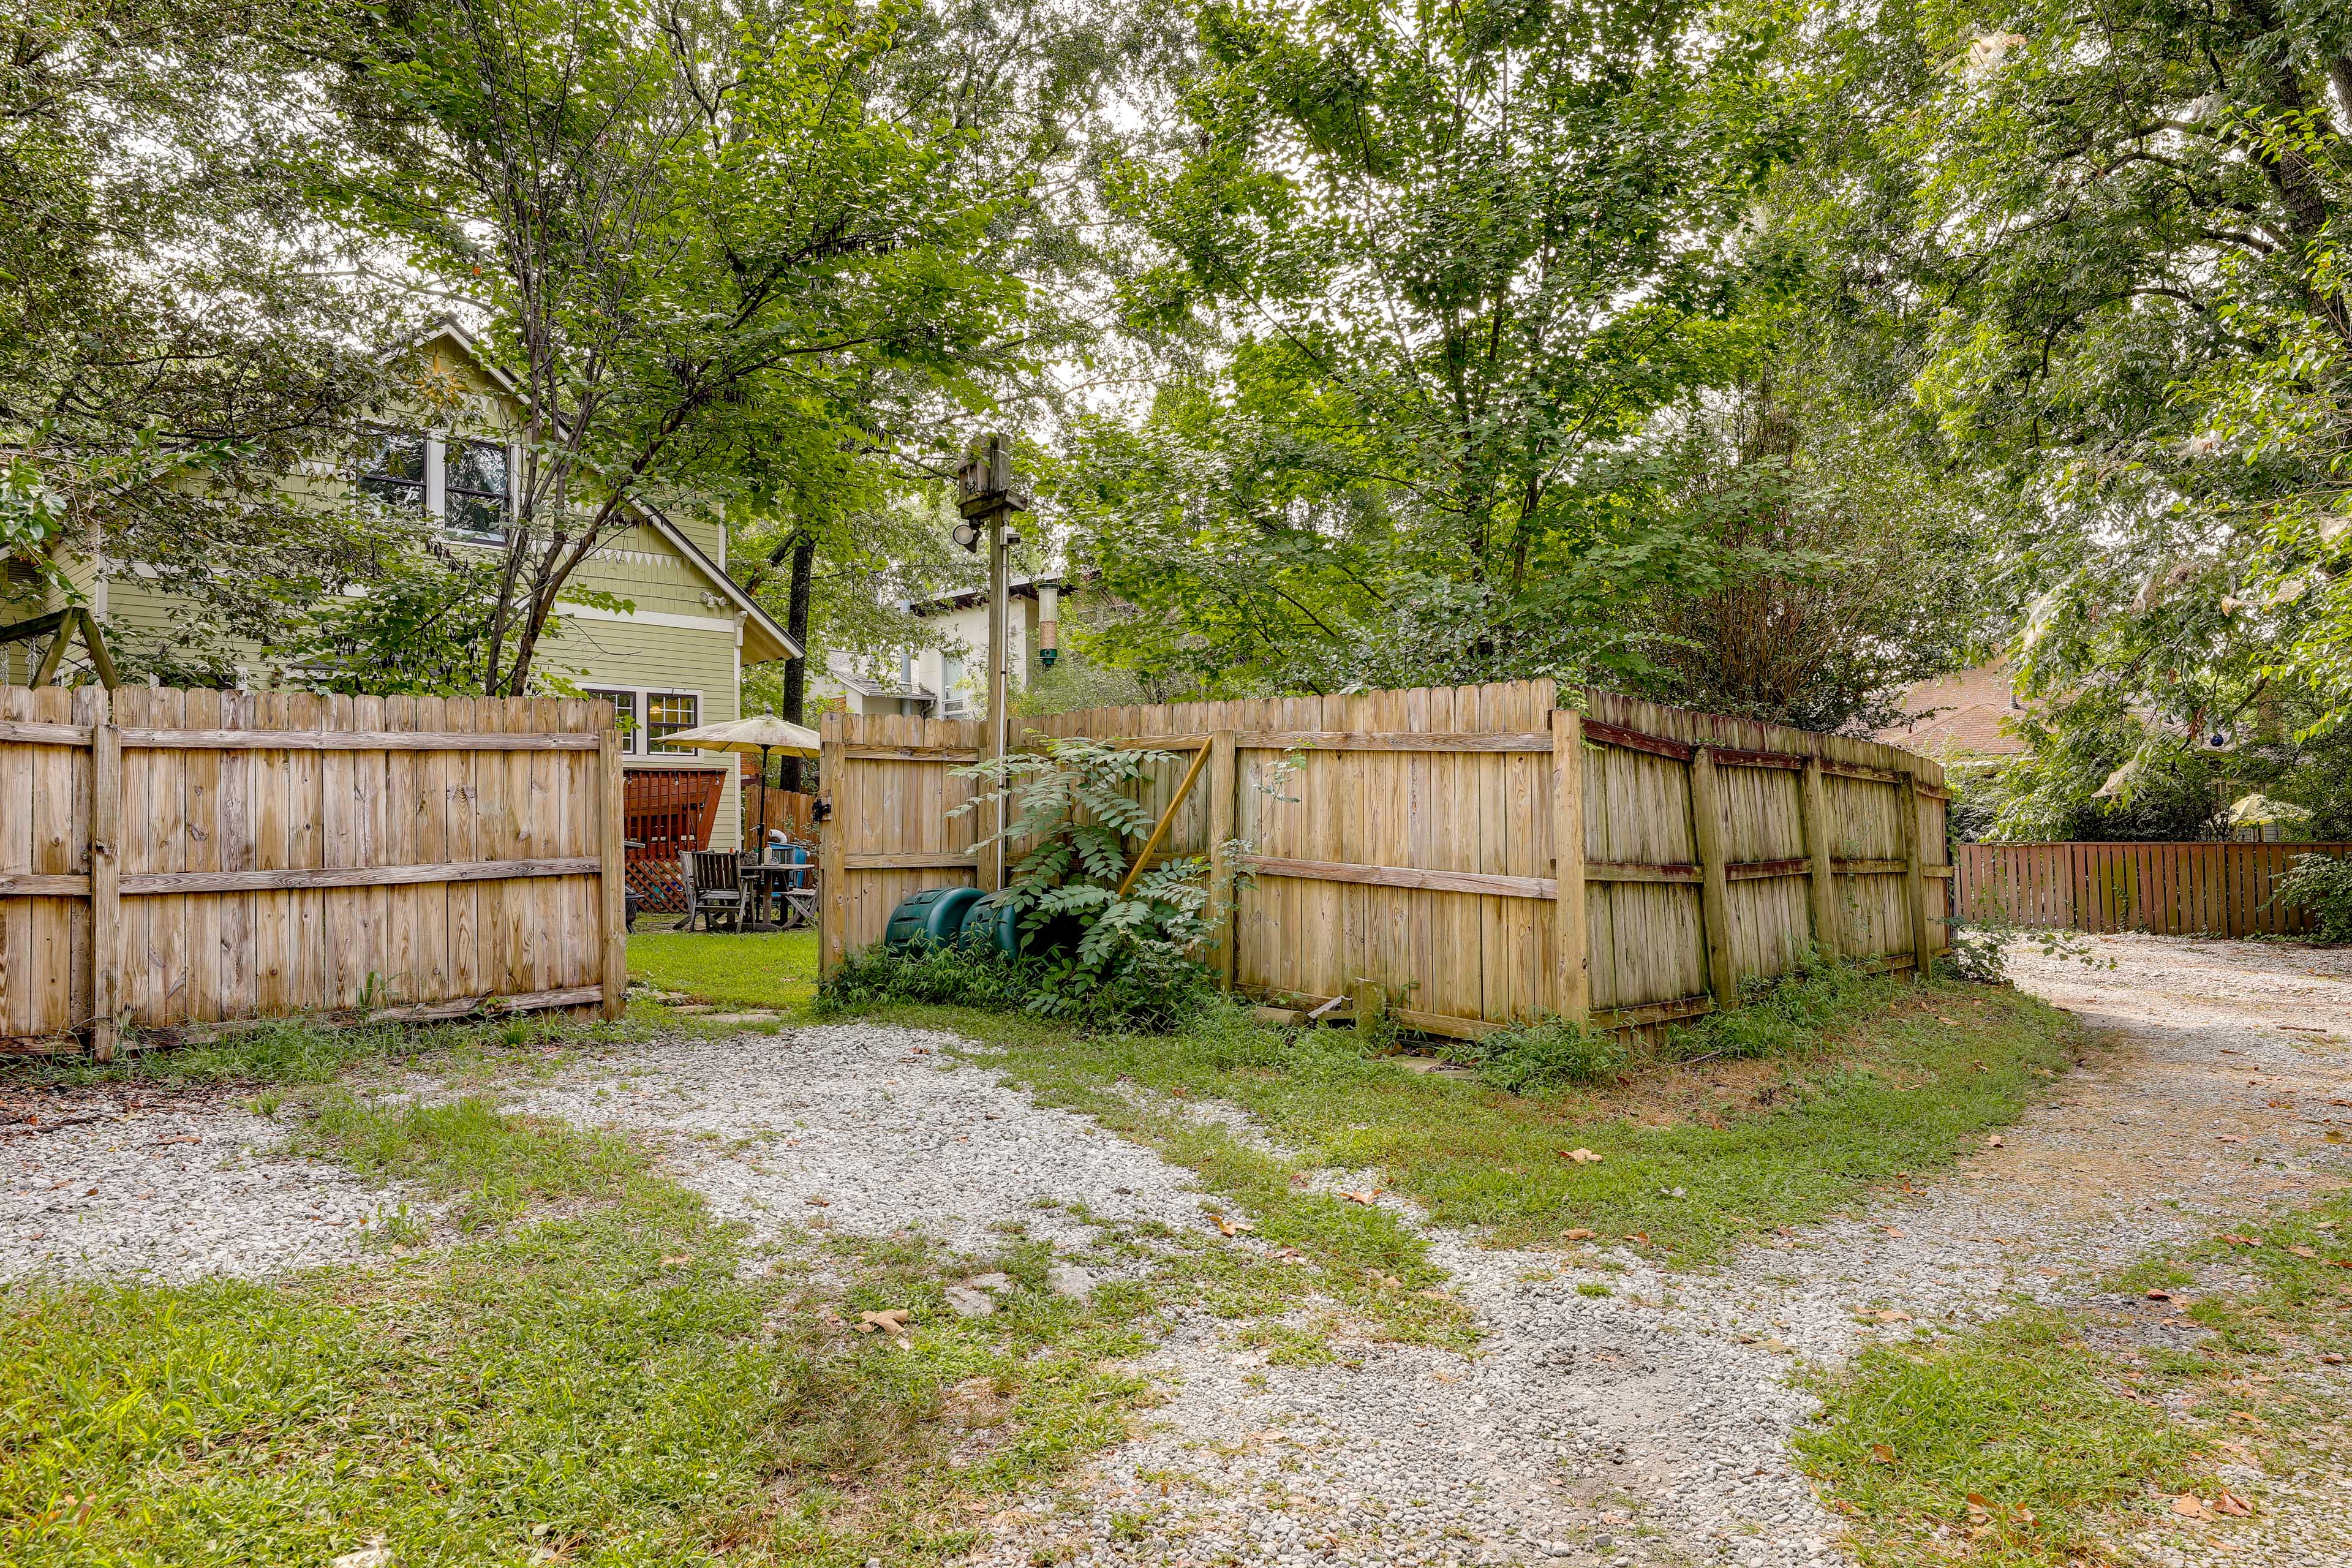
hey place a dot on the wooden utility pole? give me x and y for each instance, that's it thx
(986, 499)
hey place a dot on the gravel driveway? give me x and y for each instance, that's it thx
(1646, 1426)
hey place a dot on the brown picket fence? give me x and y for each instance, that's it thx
(2207, 889)
(1462, 856)
(173, 859)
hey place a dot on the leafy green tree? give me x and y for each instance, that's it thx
(2129, 224)
(175, 337)
(697, 246)
(1438, 268)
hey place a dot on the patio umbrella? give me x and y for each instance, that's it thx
(761, 732)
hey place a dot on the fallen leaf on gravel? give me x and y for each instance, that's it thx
(1579, 1234)
(1581, 1156)
(1994, 1142)
(2229, 1138)
(2189, 1505)
(2334, 1136)
(892, 1320)
(1890, 1315)
(1365, 1198)
(2340, 1102)
(2233, 1505)
(2236, 1241)
(2159, 1295)
(1891, 1229)
(2331, 1359)
(191, 1137)
(1232, 1227)
(818, 1203)
(1880, 1453)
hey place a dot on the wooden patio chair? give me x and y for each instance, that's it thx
(714, 889)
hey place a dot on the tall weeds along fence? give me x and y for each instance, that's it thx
(1462, 857)
(170, 859)
(2225, 890)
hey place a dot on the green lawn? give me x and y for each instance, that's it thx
(760, 969)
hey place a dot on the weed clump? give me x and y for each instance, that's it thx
(1777, 1018)
(1549, 1053)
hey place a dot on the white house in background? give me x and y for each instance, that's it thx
(950, 681)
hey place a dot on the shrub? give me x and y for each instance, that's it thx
(2321, 885)
(1529, 1059)
(1132, 960)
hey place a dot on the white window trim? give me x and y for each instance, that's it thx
(639, 742)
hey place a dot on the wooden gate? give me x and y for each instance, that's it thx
(176, 857)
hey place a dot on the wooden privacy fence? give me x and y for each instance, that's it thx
(2226, 889)
(1470, 855)
(176, 857)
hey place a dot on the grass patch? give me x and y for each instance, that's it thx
(497, 1165)
(2089, 1421)
(618, 1385)
(2013, 1444)
(1899, 1082)
(291, 1052)
(752, 969)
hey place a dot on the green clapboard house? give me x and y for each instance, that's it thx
(673, 660)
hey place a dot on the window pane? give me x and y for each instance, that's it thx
(391, 469)
(624, 714)
(476, 516)
(474, 487)
(666, 714)
(479, 467)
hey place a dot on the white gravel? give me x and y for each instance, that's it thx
(872, 1128)
(168, 1191)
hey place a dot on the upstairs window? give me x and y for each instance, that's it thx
(474, 489)
(461, 484)
(392, 469)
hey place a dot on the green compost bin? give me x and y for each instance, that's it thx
(939, 916)
(934, 916)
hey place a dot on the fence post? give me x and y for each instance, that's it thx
(1812, 802)
(1713, 897)
(105, 881)
(1571, 942)
(1915, 884)
(612, 858)
(1222, 784)
(833, 862)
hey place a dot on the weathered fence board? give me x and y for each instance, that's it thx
(185, 858)
(1407, 842)
(2226, 889)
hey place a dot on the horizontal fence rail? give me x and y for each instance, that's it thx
(1469, 856)
(175, 859)
(2207, 889)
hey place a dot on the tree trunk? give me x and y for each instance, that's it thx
(796, 617)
